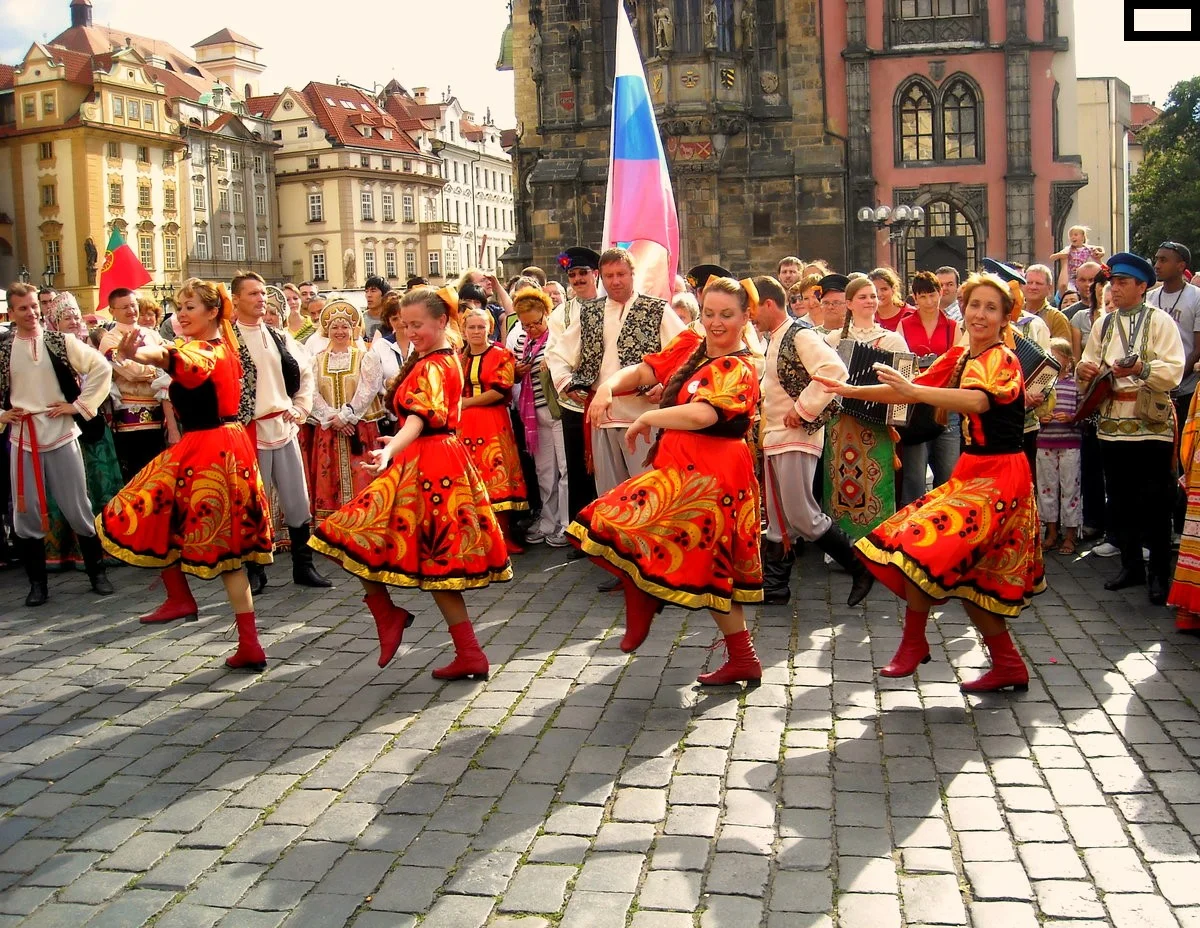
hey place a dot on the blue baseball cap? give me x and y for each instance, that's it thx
(1127, 264)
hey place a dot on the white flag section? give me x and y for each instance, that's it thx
(639, 209)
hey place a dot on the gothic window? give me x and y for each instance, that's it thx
(689, 15)
(960, 123)
(938, 22)
(942, 220)
(765, 46)
(724, 25)
(915, 123)
(608, 23)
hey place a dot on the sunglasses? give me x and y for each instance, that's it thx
(795, 299)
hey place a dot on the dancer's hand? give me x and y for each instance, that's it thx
(639, 427)
(127, 347)
(601, 402)
(655, 393)
(379, 460)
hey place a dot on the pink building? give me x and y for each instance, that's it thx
(954, 106)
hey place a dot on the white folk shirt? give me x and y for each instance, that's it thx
(34, 388)
(271, 396)
(818, 359)
(133, 380)
(566, 353)
(557, 323)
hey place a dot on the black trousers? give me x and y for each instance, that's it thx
(1141, 490)
(1092, 480)
(138, 448)
(1029, 445)
(581, 486)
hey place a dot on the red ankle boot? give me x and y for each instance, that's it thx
(469, 659)
(1187, 622)
(1007, 668)
(249, 654)
(640, 610)
(390, 622)
(741, 666)
(913, 650)
(180, 603)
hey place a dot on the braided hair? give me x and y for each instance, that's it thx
(437, 307)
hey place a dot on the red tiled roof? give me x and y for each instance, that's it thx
(6, 76)
(404, 110)
(98, 40)
(339, 109)
(262, 106)
(508, 138)
(223, 36)
(1142, 114)
(470, 131)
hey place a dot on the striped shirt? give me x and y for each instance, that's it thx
(519, 351)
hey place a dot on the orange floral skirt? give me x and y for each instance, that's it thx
(424, 522)
(686, 532)
(974, 538)
(486, 432)
(199, 504)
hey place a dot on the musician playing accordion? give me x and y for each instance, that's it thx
(1140, 346)
(976, 537)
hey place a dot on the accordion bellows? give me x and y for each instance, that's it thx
(1038, 366)
(860, 363)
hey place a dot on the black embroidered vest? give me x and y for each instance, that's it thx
(794, 376)
(639, 336)
(289, 366)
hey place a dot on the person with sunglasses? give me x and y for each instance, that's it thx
(804, 300)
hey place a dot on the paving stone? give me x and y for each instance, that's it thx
(859, 910)
(1142, 910)
(537, 888)
(730, 912)
(932, 899)
(737, 875)
(1067, 899)
(615, 873)
(588, 909)
(1053, 861)
(458, 912)
(1178, 881)
(134, 907)
(863, 875)
(801, 891)
(998, 881)
(179, 869)
(189, 915)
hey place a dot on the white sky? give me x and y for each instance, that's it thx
(435, 43)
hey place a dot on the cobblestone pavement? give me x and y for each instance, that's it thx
(141, 783)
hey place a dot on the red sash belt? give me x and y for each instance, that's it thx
(39, 481)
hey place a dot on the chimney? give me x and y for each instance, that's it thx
(81, 13)
(419, 94)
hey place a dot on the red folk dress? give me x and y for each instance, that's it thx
(687, 532)
(486, 431)
(201, 502)
(426, 521)
(975, 537)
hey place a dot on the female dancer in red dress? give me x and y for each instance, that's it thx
(975, 537)
(199, 507)
(425, 520)
(485, 427)
(687, 532)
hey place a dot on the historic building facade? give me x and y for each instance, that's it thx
(357, 196)
(758, 169)
(782, 118)
(478, 196)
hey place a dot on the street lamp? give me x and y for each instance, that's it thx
(23, 274)
(897, 221)
(48, 278)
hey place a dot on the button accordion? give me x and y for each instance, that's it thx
(1037, 364)
(860, 361)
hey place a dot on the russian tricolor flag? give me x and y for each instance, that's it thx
(639, 211)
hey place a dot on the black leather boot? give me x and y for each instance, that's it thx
(303, 572)
(835, 543)
(93, 562)
(777, 573)
(33, 556)
(257, 575)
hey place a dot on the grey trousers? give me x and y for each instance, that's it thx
(65, 482)
(612, 461)
(788, 483)
(284, 468)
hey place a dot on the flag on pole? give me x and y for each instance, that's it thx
(121, 268)
(639, 208)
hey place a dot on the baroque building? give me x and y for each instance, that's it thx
(357, 196)
(782, 118)
(478, 196)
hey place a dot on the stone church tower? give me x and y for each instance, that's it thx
(738, 91)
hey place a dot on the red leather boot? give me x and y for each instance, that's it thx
(249, 654)
(742, 665)
(640, 610)
(1007, 668)
(913, 650)
(390, 622)
(180, 603)
(469, 659)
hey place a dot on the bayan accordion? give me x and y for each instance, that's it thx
(1037, 364)
(860, 361)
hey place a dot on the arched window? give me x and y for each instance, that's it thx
(915, 123)
(947, 234)
(688, 23)
(960, 122)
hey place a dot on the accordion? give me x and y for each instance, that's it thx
(1037, 364)
(860, 361)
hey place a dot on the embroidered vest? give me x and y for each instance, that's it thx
(639, 336)
(794, 377)
(289, 366)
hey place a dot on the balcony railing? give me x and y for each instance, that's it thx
(439, 228)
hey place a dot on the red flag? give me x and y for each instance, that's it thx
(121, 268)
